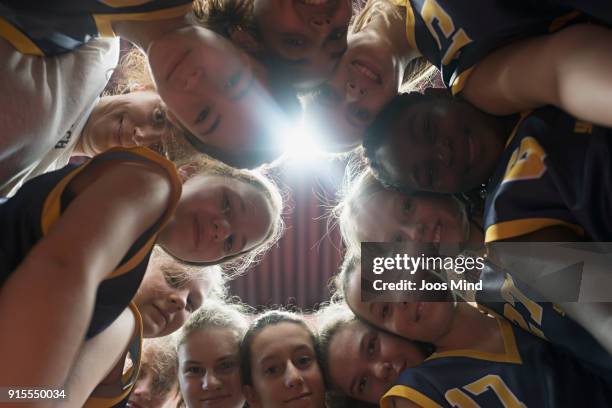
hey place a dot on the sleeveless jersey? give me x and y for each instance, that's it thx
(511, 298)
(554, 171)
(27, 217)
(52, 27)
(530, 373)
(455, 35)
(117, 395)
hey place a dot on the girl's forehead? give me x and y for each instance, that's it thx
(283, 336)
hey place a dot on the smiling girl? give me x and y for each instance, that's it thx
(220, 214)
(510, 64)
(208, 358)
(479, 358)
(279, 365)
(227, 102)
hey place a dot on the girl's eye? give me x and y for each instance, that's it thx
(363, 381)
(407, 205)
(337, 34)
(384, 312)
(229, 243)
(193, 370)
(398, 238)
(233, 80)
(226, 366)
(225, 204)
(190, 305)
(159, 117)
(203, 115)
(271, 370)
(174, 280)
(304, 361)
(371, 346)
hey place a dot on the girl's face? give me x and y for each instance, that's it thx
(149, 390)
(420, 321)
(441, 145)
(284, 369)
(166, 298)
(216, 217)
(391, 216)
(213, 90)
(209, 369)
(136, 118)
(365, 362)
(366, 78)
(307, 36)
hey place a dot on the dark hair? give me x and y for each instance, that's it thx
(269, 318)
(377, 133)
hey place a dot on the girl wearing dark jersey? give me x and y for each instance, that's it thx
(499, 55)
(67, 244)
(480, 359)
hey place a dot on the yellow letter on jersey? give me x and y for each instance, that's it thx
(432, 11)
(527, 161)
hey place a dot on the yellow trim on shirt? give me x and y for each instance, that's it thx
(408, 393)
(52, 206)
(459, 82)
(410, 24)
(18, 39)
(123, 3)
(176, 195)
(510, 354)
(109, 402)
(104, 22)
(516, 228)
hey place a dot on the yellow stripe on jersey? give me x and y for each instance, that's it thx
(17, 39)
(510, 354)
(176, 194)
(560, 22)
(128, 380)
(104, 22)
(123, 3)
(410, 26)
(516, 228)
(408, 393)
(458, 83)
(52, 206)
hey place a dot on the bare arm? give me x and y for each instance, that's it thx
(97, 357)
(570, 69)
(47, 302)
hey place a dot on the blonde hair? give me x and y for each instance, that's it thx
(419, 73)
(358, 186)
(163, 364)
(216, 314)
(224, 16)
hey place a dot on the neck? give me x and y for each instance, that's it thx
(469, 329)
(142, 33)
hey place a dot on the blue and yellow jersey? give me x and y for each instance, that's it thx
(511, 298)
(26, 218)
(454, 35)
(117, 393)
(554, 171)
(53, 27)
(529, 373)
